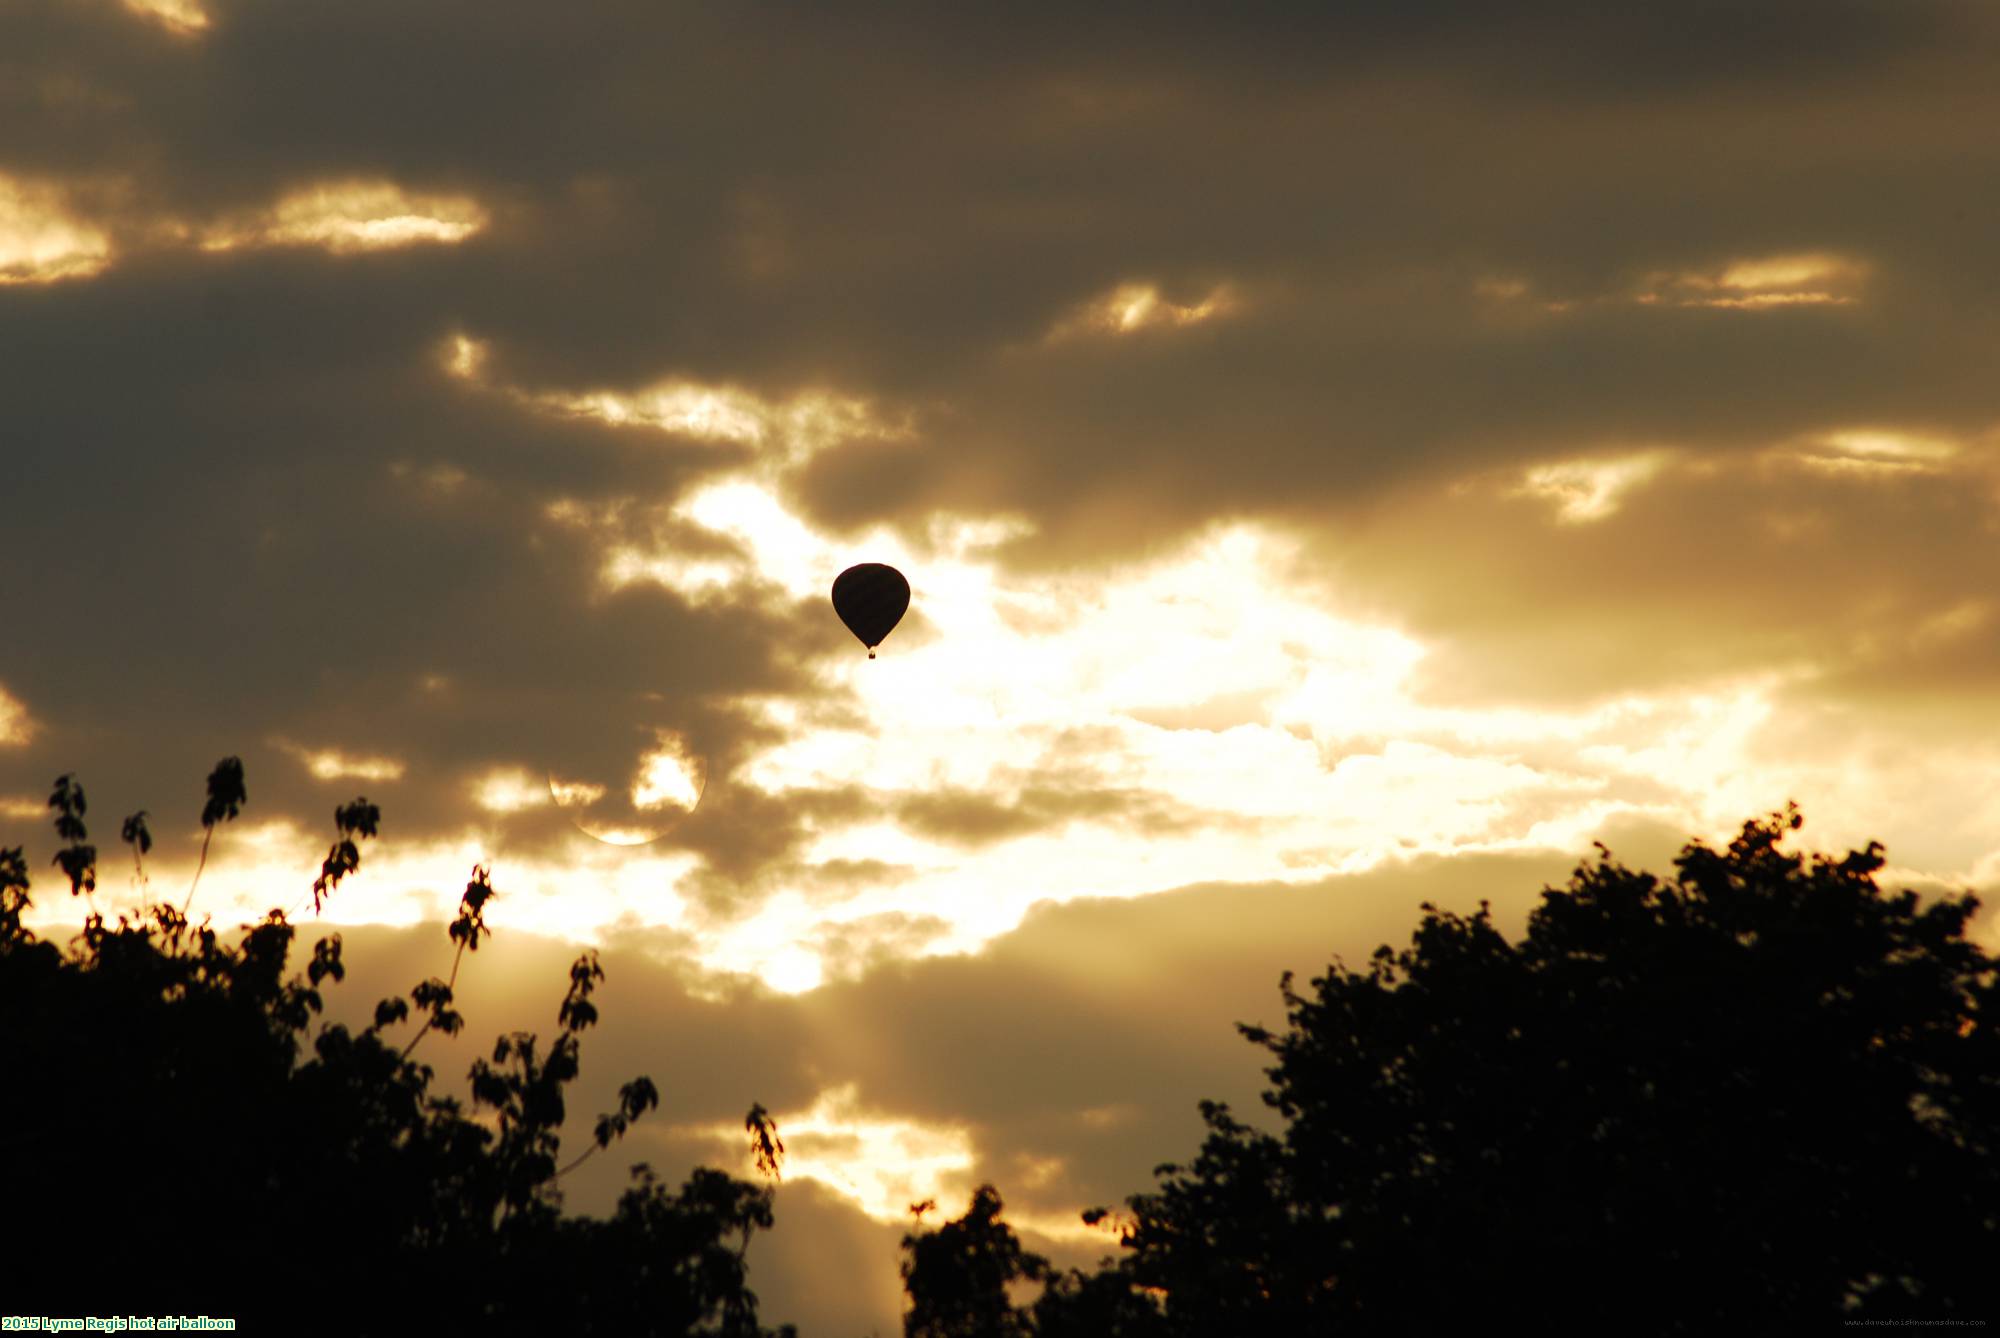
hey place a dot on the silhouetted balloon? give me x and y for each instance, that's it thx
(871, 599)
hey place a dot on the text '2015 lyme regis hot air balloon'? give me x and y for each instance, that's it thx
(871, 600)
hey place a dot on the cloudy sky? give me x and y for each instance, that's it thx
(1343, 454)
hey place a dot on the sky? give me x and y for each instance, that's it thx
(1343, 455)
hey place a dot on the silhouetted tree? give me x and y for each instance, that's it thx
(957, 1276)
(1760, 1095)
(1103, 1304)
(961, 1278)
(171, 1148)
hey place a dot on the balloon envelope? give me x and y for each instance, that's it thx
(871, 600)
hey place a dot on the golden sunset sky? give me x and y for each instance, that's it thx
(1343, 454)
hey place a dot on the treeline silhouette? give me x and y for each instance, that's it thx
(178, 1143)
(1755, 1096)
(1761, 1096)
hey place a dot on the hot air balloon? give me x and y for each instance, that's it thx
(871, 600)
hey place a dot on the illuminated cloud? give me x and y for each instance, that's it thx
(1134, 307)
(786, 432)
(708, 413)
(1589, 490)
(42, 240)
(670, 775)
(573, 892)
(465, 357)
(754, 537)
(350, 216)
(17, 727)
(510, 790)
(750, 536)
(1237, 727)
(765, 542)
(183, 18)
(1866, 453)
(1803, 279)
(332, 764)
(577, 792)
(696, 578)
(772, 946)
(1785, 273)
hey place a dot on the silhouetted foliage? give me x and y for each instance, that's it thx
(177, 1142)
(226, 797)
(78, 859)
(1760, 1096)
(961, 1278)
(957, 1276)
